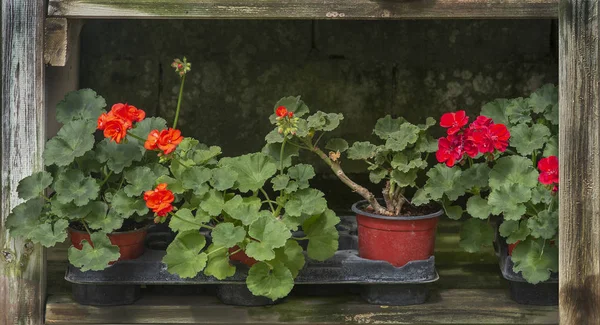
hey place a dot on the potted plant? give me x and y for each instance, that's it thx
(92, 188)
(504, 164)
(391, 227)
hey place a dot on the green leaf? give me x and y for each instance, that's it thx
(227, 234)
(408, 134)
(223, 178)
(541, 194)
(218, 263)
(513, 170)
(444, 180)
(72, 186)
(94, 258)
(387, 125)
(544, 99)
(301, 173)
(274, 137)
(508, 201)
(322, 235)
(420, 197)
(70, 211)
(514, 230)
(25, 218)
(207, 155)
(478, 207)
(126, 206)
(73, 140)
(274, 151)
(475, 234)
(184, 220)
(529, 139)
(253, 170)
(183, 254)
(140, 179)
(377, 175)
(143, 128)
(426, 143)
(453, 212)
(269, 234)
(544, 225)
(321, 121)
(362, 150)
(82, 104)
(118, 156)
(518, 111)
(195, 178)
(405, 161)
(292, 104)
(476, 176)
(535, 260)
(551, 148)
(174, 185)
(429, 122)
(213, 203)
(49, 234)
(280, 182)
(272, 283)
(496, 110)
(34, 185)
(404, 179)
(99, 218)
(245, 210)
(291, 255)
(307, 201)
(337, 144)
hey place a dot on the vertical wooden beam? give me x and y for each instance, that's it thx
(22, 264)
(579, 151)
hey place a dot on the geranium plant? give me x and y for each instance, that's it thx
(395, 161)
(98, 166)
(504, 164)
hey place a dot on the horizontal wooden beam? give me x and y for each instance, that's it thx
(304, 9)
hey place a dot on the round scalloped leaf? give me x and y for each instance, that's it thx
(118, 156)
(513, 170)
(227, 234)
(174, 185)
(73, 140)
(337, 144)
(49, 234)
(99, 218)
(184, 220)
(218, 263)
(24, 218)
(518, 111)
(508, 201)
(322, 235)
(377, 175)
(405, 161)
(291, 255)
(453, 212)
(271, 283)
(301, 173)
(321, 121)
(475, 176)
(213, 203)
(94, 258)
(69, 211)
(444, 180)
(551, 148)
(274, 151)
(206, 155)
(308, 201)
(183, 254)
(541, 194)
(496, 110)
(535, 259)
(140, 179)
(72, 186)
(387, 125)
(82, 104)
(544, 225)
(420, 197)
(429, 122)
(362, 150)
(274, 136)
(253, 170)
(529, 139)
(223, 178)
(514, 230)
(195, 178)
(426, 143)
(245, 210)
(126, 206)
(271, 232)
(408, 134)
(404, 179)
(478, 207)
(33, 185)
(544, 99)
(475, 234)
(280, 182)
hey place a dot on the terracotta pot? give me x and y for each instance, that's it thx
(241, 256)
(397, 240)
(511, 247)
(131, 243)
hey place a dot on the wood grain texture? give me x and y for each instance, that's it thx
(304, 9)
(456, 306)
(22, 264)
(61, 39)
(579, 158)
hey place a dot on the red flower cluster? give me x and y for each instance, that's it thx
(481, 136)
(120, 119)
(165, 140)
(549, 172)
(159, 200)
(281, 111)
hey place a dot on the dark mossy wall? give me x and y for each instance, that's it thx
(364, 69)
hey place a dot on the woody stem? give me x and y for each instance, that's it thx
(179, 102)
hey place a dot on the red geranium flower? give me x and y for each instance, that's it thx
(159, 200)
(127, 112)
(450, 150)
(481, 122)
(454, 121)
(114, 128)
(281, 111)
(488, 139)
(548, 170)
(168, 140)
(151, 142)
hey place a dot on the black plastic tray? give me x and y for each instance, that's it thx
(379, 282)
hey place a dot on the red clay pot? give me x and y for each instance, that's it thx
(397, 240)
(241, 256)
(131, 243)
(511, 247)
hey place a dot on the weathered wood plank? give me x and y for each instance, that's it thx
(22, 264)
(462, 306)
(61, 39)
(304, 9)
(579, 156)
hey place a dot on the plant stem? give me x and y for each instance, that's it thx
(268, 199)
(299, 146)
(191, 222)
(237, 251)
(135, 136)
(216, 250)
(533, 158)
(319, 138)
(300, 238)
(179, 162)
(281, 156)
(86, 227)
(179, 102)
(106, 179)
(46, 198)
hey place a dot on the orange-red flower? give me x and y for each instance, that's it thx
(114, 127)
(281, 111)
(151, 142)
(165, 140)
(127, 112)
(159, 200)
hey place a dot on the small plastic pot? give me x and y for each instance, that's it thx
(397, 240)
(131, 243)
(241, 256)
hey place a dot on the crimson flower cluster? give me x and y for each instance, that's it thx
(548, 168)
(482, 136)
(120, 119)
(281, 112)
